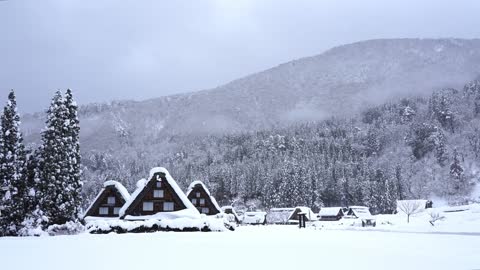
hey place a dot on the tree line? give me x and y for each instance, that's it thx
(411, 148)
(40, 187)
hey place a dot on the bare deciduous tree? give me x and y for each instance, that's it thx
(434, 216)
(410, 207)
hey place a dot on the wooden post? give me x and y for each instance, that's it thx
(302, 220)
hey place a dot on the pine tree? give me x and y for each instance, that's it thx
(456, 172)
(74, 158)
(55, 189)
(12, 170)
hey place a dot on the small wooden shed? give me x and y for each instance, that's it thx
(330, 213)
(109, 201)
(200, 197)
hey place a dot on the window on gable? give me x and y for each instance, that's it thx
(147, 206)
(197, 194)
(202, 201)
(168, 206)
(158, 184)
(111, 200)
(158, 193)
(116, 210)
(194, 201)
(205, 210)
(103, 210)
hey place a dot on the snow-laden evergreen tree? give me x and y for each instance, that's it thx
(59, 186)
(73, 170)
(34, 218)
(456, 173)
(14, 203)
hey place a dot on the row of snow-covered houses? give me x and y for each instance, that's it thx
(157, 197)
(160, 197)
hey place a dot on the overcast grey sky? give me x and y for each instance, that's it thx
(137, 49)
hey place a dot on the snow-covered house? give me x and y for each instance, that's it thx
(294, 218)
(362, 213)
(158, 198)
(279, 215)
(201, 198)
(109, 201)
(229, 210)
(255, 218)
(330, 213)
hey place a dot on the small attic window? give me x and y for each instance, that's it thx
(205, 210)
(158, 193)
(202, 201)
(116, 210)
(197, 194)
(111, 200)
(158, 184)
(194, 201)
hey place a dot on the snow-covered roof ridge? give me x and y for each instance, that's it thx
(197, 182)
(329, 211)
(306, 210)
(142, 183)
(121, 188)
(92, 203)
(174, 185)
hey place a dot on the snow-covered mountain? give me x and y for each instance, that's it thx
(340, 81)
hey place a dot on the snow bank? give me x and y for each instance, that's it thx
(185, 213)
(204, 224)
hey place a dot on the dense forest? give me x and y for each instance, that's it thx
(417, 147)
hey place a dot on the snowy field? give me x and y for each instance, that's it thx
(262, 247)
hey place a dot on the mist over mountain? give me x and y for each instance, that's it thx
(340, 81)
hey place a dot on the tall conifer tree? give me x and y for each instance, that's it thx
(14, 188)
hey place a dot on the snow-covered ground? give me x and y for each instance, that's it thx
(456, 220)
(249, 247)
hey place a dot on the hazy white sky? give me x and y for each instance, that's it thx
(137, 49)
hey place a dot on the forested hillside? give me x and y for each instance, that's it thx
(419, 147)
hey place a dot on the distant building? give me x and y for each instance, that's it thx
(362, 213)
(330, 213)
(200, 197)
(279, 215)
(293, 218)
(229, 210)
(424, 204)
(255, 218)
(109, 201)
